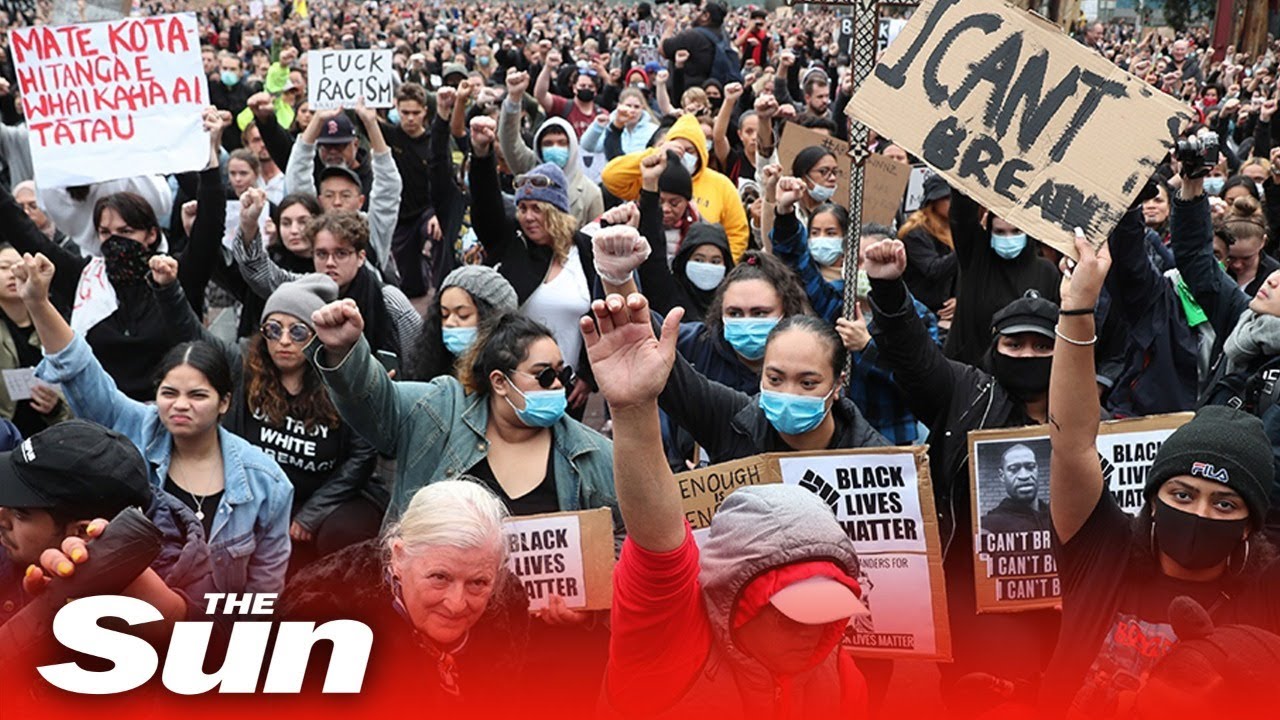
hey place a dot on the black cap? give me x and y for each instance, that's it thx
(75, 465)
(343, 172)
(337, 130)
(675, 179)
(935, 188)
(1029, 313)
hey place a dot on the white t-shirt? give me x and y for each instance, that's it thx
(560, 303)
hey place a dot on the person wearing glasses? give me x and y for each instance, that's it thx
(339, 242)
(238, 493)
(542, 254)
(280, 405)
(818, 168)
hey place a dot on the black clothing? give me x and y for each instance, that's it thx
(932, 271)
(205, 507)
(538, 501)
(1012, 516)
(663, 280)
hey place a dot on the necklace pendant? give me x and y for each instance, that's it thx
(200, 515)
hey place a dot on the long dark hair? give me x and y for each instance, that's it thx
(501, 344)
(437, 360)
(265, 394)
(205, 357)
(759, 265)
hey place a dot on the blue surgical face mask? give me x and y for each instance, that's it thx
(704, 276)
(1214, 185)
(747, 336)
(690, 162)
(393, 116)
(230, 78)
(793, 414)
(1008, 246)
(556, 154)
(826, 250)
(458, 339)
(542, 408)
(484, 60)
(821, 193)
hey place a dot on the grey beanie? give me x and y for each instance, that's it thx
(301, 297)
(483, 283)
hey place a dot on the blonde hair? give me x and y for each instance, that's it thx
(695, 95)
(561, 227)
(1264, 163)
(461, 514)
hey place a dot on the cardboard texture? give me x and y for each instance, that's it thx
(884, 181)
(1013, 562)
(1031, 124)
(883, 499)
(568, 554)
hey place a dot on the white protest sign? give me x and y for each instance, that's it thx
(112, 99)
(1046, 133)
(18, 382)
(566, 554)
(883, 500)
(255, 8)
(915, 188)
(340, 78)
(1015, 568)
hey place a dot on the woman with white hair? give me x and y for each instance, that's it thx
(449, 619)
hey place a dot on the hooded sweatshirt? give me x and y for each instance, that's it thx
(673, 654)
(585, 201)
(695, 301)
(713, 193)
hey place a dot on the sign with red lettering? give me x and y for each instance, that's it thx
(113, 99)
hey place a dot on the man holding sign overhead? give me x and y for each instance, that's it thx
(764, 601)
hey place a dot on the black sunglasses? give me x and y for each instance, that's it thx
(547, 376)
(298, 332)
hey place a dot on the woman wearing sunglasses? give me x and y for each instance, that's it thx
(279, 404)
(542, 254)
(238, 493)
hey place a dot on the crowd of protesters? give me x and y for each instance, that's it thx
(568, 263)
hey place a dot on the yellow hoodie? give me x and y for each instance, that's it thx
(713, 194)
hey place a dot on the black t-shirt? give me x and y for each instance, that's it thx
(541, 499)
(411, 156)
(307, 457)
(1115, 616)
(206, 509)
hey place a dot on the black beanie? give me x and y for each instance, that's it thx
(1222, 444)
(675, 179)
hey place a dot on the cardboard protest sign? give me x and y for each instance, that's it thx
(883, 182)
(1014, 564)
(1047, 134)
(340, 78)
(569, 554)
(69, 12)
(650, 38)
(112, 99)
(883, 500)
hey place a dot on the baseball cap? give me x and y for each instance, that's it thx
(338, 130)
(454, 69)
(75, 464)
(343, 172)
(818, 600)
(1029, 313)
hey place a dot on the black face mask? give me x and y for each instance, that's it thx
(1194, 542)
(1023, 377)
(586, 95)
(127, 261)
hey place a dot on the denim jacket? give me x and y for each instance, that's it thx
(437, 432)
(250, 538)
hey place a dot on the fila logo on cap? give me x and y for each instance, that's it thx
(28, 451)
(1205, 470)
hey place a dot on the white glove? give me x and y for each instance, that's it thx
(618, 250)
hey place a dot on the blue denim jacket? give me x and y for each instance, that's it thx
(437, 432)
(250, 538)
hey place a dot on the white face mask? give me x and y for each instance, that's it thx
(704, 276)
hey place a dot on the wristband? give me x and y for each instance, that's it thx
(1076, 312)
(1078, 343)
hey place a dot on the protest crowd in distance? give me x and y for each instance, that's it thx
(522, 334)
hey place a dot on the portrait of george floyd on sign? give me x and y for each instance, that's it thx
(883, 500)
(1036, 127)
(1014, 564)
